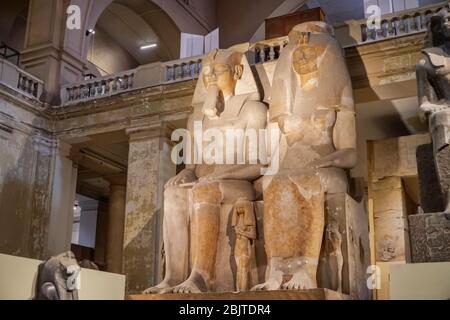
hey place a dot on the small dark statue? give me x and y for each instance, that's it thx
(433, 77)
(57, 278)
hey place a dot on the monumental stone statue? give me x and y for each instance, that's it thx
(313, 105)
(57, 278)
(226, 98)
(433, 77)
(429, 232)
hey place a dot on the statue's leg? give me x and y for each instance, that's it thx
(207, 198)
(293, 230)
(443, 169)
(176, 239)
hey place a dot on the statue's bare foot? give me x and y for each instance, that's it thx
(301, 280)
(187, 287)
(161, 288)
(271, 284)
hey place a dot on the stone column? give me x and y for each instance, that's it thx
(116, 223)
(62, 202)
(149, 168)
(101, 234)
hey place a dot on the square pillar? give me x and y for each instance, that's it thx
(62, 202)
(149, 168)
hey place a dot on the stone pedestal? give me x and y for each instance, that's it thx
(430, 237)
(431, 197)
(314, 294)
(351, 220)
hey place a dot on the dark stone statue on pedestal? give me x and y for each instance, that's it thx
(430, 231)
(57, 278)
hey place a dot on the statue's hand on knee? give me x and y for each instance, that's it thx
(185, 176)
(428, 108)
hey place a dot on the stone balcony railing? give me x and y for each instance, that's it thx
(149, 75)
(355, 32)
(402, 23)
(350, 33)
(15, 78)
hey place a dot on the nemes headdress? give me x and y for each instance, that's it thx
(434, 38)
(247, 83)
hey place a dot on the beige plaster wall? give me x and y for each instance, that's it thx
(18, 281)
(25, 183)
(420, 281)
(108, 56)
(238, 20)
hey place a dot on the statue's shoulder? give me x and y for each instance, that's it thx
(254, 107)
(436, 56)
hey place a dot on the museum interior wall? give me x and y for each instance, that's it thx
(86, 123)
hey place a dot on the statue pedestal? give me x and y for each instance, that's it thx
(430, 238)
(313, 294)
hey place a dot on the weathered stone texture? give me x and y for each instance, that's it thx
(431, 197)
(146, 178)
(430, 237)
(26, 165)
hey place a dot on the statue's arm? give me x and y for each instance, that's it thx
(344, 135)
(428, 99)
(187, 175)
(425, 90)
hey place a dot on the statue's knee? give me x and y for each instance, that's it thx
(207, 192)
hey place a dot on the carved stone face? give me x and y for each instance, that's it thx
(440, 26)
(222, 75)
(446, 26)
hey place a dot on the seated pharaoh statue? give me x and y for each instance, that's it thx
(226, 98)
(312, 104)
(433, 77)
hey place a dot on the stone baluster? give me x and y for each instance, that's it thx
(130, 81)
(169, 73)
(384, 29)
(81, 96)
(178, 71)
(262, 54)
(24, 83)
(35, 89)
(364, 33)
(272, 52)
(184, 70)
(98, 86)
(92, 89)
(397, 26)
(121, 83)
(417, 25)
(407, 22)
(106, 86)
(114, 84)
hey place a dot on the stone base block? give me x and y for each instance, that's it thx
(430, 237)
(313, 294)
